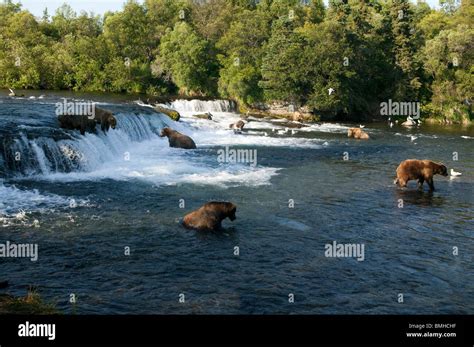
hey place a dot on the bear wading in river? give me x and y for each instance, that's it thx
(421, 170)
(177, 140)
(81, 123)
(209, 217)
(237, 126)
(357, 133)
(105, 118)
(84, 123)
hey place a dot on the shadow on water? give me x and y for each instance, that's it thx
(414, 196)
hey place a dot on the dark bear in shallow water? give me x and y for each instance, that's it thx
(105, 118)
(81, 123)
(177, 140)
(210, 216)
(421, 170)
(85, 123)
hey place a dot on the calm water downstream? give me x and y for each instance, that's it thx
(83, 199)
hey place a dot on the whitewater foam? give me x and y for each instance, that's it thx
(134, 149)
(16, 205)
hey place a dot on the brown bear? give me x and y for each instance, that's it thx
(421, 170)
(357, 133)
(207, 116)
(105, 118)
(210, 216)
(237, 126)
(178, 140)
(81, 123)
(85, 123)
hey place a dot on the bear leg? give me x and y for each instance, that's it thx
(430, 183)
(420, 183)
(402, 182)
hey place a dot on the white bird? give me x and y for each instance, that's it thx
(361, 126)
(455, 173)
(330, 90)
(281, 132)
(41, 96)
(391, 124)
(293, 132)
(413, 138)
(12, 93)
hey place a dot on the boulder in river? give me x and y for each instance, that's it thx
(174, 115)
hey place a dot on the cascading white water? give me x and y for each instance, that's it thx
(203, 105)
(44, 155)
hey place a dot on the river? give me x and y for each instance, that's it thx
(87, 200)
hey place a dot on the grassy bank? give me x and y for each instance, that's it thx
(31, 304)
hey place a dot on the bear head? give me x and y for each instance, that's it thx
(165, 132)
(232, 209)
(222, 208)
(442, 170)
(112, 121)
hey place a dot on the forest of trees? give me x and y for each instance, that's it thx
(293, 51)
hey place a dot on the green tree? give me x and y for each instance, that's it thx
(449, 60)
(183, 56)
(283, 66)
(241, 57)
(400, 17)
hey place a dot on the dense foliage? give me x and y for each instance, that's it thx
(341, 60)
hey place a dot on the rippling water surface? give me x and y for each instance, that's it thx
(84, 199)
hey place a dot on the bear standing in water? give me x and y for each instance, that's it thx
(421, 170)
(357, 133)
(210, 216)
(85, 123)
(82, 123)
(177, 140)
(237, 126)
(105, 118)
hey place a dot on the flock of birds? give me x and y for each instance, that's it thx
(13, 94)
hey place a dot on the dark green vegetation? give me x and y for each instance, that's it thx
(291, 51)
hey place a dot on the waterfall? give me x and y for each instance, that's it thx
(203, 105)
(22, 154)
